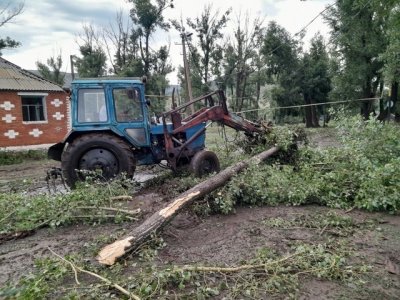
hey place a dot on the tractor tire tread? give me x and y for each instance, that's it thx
(198, 159)
(67, 157)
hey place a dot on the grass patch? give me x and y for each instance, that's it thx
(17, 157)
(330, 222)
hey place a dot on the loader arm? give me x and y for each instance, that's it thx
(217, 114)
(215, 110)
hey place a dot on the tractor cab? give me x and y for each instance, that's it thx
(117, 105)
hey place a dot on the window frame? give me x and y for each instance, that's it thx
(116, 106)
(81, 101)
(44, 105)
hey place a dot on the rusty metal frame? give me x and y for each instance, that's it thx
(215, 110)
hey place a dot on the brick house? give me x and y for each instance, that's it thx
(33, 111)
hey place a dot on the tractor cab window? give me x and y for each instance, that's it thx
(127, 105)
(92, 106)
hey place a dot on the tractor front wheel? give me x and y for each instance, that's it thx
(204, 162)
(103, 155)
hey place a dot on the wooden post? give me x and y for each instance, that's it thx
(187, 72)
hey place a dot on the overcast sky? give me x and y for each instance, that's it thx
(46, 26)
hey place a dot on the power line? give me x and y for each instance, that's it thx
(316, 17)
(307, 105)
(353, 16)
(304, 28)
(286, 107)
(158, 96)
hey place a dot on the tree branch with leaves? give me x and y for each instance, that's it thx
(52, 71)
(8, 12)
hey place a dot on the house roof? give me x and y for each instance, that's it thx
(15, 78)
(67, 78)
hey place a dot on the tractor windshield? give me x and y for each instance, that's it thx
(127, 105)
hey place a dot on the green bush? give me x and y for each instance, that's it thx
(363, 171)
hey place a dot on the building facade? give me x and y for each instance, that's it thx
(33, 111)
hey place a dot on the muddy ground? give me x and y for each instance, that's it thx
(223, 240)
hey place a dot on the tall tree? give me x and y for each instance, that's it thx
(161, 66)
(52, 71)
(281, 54)
(279, 50)
(93, 60)
(358, 38)
(148, 17)
(389, 12)
(314, 79)
(92, 63)
(121, 42)
(8, 12)
(208, 29)
(243, 62)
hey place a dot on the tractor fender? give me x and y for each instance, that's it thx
(55, 151)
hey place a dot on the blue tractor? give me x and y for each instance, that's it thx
(112, 131)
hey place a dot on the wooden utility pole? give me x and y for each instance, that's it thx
(71, 59)
(186, 67)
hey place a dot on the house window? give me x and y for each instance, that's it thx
(92, 106)
(33, 108)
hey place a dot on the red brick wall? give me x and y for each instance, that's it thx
(32, 133)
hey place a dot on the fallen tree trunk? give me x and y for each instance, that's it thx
(110, 253)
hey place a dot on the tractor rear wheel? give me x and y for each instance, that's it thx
(204, 162)
(104, 154)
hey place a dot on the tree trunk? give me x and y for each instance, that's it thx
(366, 108)
(394, 91)
(382, 111)
(239, 79)
(308, 113)
(243, 93)
(257, 101)
(367, 93)
(110, 253)
(147, 53)
(231, 88)
(314, 114)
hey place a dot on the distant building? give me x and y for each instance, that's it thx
(33, 110)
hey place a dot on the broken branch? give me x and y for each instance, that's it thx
(101, 216)
(125, 211)
(237, 269)
(122, 197)
(105, 280)
(110, 253)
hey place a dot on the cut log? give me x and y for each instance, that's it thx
(110, 253)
